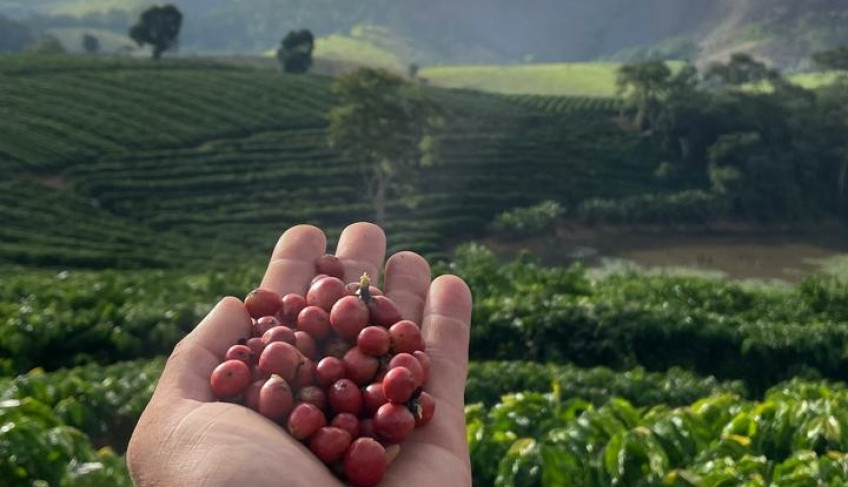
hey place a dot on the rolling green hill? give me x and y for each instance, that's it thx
(193, 160)
(359, 51)
(116, 162)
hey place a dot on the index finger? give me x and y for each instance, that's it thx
(292, 265)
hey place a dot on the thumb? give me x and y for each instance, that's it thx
(190, 365)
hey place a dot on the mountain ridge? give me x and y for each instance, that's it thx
(783, 32)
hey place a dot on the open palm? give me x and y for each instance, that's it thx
(185, 438)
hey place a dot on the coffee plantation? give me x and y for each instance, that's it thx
(138, 194)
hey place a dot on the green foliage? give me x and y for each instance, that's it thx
(774, 154)
(489, 381)
(146, 181)
(45, 45)
(692, 206)
(568, 104)
(386, 126)
(38, 450)
(82, 235)
(158, 26)
(90, 43)
(104, 402)
(835, 59)
(752, 177)
(555, 79)
(741, 69)
(578, 435)
(54, 320)
(645, 87)
(295, 51)
(344, 49)
(528, 221)
(143, 113)
(725, 179)
(527, 312)
(104, 470)
(792, 437)
(54, 422)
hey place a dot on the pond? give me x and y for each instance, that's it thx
(733, 253)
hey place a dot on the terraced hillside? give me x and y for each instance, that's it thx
(127, 163)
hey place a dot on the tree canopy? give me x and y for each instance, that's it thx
(836, 59)
(387, 125)
(158, 26)
(646, 85)
(295, 51)
(742, 68)
(90, 44)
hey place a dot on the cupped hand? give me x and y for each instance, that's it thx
(186, 438)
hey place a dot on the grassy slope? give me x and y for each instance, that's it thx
(349, 49)
(815, 80)
(565, 79)
(592, 79)
(372, 46)
(75, 7)
(82, 7)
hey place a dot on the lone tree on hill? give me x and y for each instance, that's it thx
(387, 126)
(90, 44)
(295, 51)
(158, 26)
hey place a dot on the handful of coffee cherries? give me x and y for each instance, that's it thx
(339, 369)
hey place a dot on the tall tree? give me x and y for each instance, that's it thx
(642, 87)
(387, 126)
(295, 51)
(158, 26)
(90, 44)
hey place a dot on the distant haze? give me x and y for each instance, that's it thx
(474, 31)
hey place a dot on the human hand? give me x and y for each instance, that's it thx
(186, 438)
